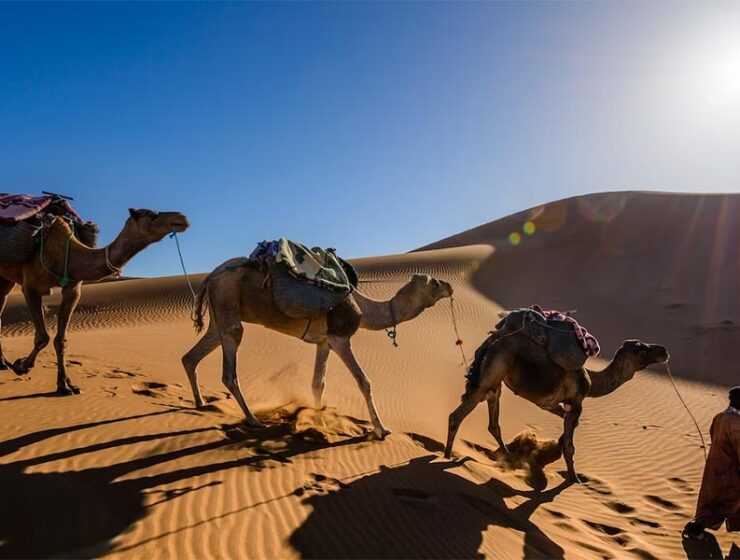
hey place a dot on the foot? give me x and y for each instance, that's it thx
(573, 478)
(68, 390)
(253, 423)
(20, 367)
(380, 433)
(693, 530)
(5, 364)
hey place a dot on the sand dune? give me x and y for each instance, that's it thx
(130, 469)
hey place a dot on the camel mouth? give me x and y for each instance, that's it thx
(661, 354)
(179, 227)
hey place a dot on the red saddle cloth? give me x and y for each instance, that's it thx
(19, 207)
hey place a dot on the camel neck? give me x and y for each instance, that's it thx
(378, 315)
(613, 376)
(95, 264)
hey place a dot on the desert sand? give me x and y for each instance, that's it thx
(130, 469)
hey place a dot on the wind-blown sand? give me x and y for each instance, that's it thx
(129, 468)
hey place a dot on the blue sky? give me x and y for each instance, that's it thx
(370, 127)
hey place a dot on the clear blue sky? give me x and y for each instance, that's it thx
(370, 127)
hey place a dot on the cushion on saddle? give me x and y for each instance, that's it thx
(19, 207)
(568, 343)
(21, 220)
(306, 283)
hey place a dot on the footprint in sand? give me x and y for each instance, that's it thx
(149, 389)
(681, 484)
(620, 507)
(116, 373)
(662, 503)
(320, 484)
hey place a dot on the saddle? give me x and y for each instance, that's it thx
(568, 344)
(23, 216)
(306, 283)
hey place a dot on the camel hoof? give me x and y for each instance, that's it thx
(68, 390)
(379, 434)
(20, 367)
(573, 479)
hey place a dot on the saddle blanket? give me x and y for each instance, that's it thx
(317, 266)
(19, 207)
(588, 341)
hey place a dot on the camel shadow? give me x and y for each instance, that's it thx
(80, 513)
(418, 510)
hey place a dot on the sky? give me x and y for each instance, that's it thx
(374, 128)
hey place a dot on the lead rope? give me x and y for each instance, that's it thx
(458, 341)
(698, 429)
(173, 235)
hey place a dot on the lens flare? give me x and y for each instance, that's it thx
(529, 228)
(515, 238)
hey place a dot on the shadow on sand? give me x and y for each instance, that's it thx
(418, 510)
(79, 513)
(708, 549)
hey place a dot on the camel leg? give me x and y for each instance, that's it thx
(494, 371)
(494, 398)
(319, 372)
(5, 287)
(41, 338)
(469, 402)
(231, 331)
(207, 344)
(342, 347)
(572, 415)
(70, 297)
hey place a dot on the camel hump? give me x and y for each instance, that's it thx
(567, 343)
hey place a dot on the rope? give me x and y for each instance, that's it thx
(64, 279)
(458, 341)
(173, 235)
(393, 331)
(698, 429)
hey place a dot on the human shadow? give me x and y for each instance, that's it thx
(418, 510)
(708, 549)
(79, 513)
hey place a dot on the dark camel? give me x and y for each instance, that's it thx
(37, 278)
(527, 370)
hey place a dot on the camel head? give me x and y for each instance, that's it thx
(641, 354)
(153, 226)
(423, 291)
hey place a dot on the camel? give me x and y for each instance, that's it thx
(237, 292)
(525, 367)
(45, 271)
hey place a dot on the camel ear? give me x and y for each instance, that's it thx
(134, 213)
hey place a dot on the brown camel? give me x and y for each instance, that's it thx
(43, 272)
(237, 292)
(527, 370)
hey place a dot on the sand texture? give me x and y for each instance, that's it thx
(130, 469)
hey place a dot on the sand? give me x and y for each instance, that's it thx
(130, 469)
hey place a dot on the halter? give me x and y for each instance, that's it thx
(114, 269)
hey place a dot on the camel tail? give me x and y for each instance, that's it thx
(200, 305)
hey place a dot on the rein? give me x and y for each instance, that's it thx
(173, 235)
(458, 341)
(698, 429)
